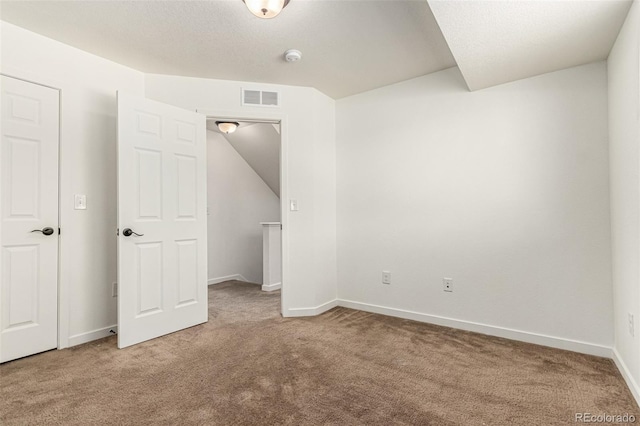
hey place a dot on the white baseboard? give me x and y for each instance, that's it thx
(626, 374)
(271, 287)
(235, 277)
(81, 338)
(308, 312)
(507, 333)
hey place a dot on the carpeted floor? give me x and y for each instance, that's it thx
(248, 365)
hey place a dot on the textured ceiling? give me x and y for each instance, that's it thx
(259, 145)
(495, 42)
(347, 46)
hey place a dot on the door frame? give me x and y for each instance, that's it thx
(62, 336)
(246, 115)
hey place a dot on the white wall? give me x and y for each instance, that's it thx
(505, 190)
(87, 166)
(238, 200)
(308, 141)
(624, 138)
(88, 149)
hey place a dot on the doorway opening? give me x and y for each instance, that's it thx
(244, 207)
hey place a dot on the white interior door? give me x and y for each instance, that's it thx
(162, 242)
(29, 222)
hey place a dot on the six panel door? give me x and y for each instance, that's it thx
(29, 218)
(162, 245)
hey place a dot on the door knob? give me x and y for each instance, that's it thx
(128, 232)
(45, 231)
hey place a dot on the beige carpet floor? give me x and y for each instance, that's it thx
(248, 365)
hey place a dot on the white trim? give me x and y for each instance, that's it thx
(89, 336)
(234, 277)
(626, 375)
(283, 119)
(308, 312)
(62, 298)
(30, 77)
(491, 330)
(271, 287)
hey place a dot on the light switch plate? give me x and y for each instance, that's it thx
(80, 202)
(293, 205)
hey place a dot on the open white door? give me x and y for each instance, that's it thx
(162, 241)
(29, 219)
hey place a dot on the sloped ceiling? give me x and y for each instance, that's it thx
(347, 46)
(259, 145)
(495, 42)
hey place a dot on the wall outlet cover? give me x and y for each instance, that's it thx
(447, 284)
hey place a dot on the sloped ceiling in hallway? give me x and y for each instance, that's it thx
(259, 145)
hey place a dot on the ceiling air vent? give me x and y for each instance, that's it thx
(260, 98)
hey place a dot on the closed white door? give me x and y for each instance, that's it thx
(162, 242)
(29, 222)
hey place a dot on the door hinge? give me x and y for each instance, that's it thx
(59, 231)
(117, 231)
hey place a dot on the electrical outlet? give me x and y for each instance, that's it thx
(114, 290)
(632, 325)
(447, 284)
(386, 277)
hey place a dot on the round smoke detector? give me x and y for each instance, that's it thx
(292, 55)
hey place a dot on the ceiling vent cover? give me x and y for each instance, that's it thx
(260, 98)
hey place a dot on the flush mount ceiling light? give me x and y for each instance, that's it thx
(266, 9)
(227, 126)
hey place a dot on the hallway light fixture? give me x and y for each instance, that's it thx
(227, 126)
(266, 9)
